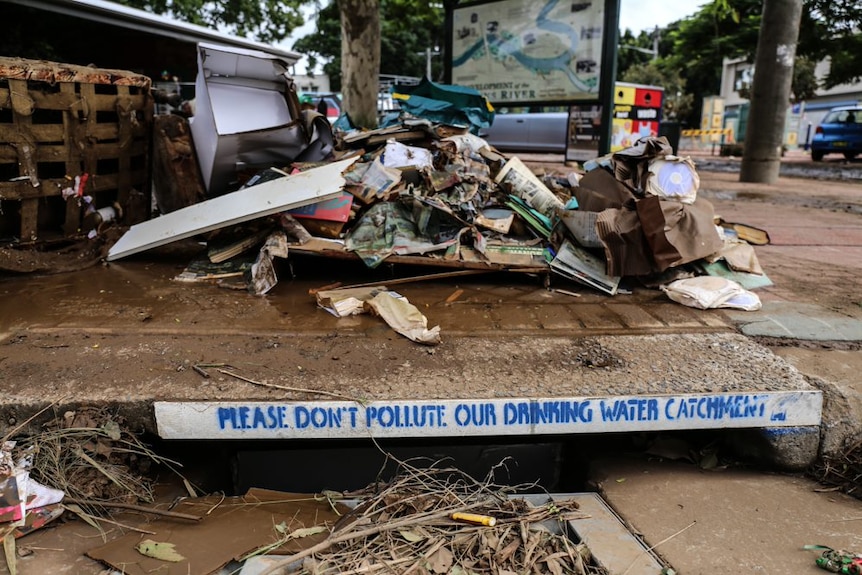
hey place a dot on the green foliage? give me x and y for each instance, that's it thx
(324, 44)
(408, 28)
(721, 29)
(804, 85)
(268, 21)
(730, 29)
(631, 52)
(835, 26)
(676, 103)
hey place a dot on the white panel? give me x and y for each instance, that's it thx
(484, 417)
(264, 199)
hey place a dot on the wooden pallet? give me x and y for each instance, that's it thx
(59, 121)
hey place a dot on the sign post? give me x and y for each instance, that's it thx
(528, 53)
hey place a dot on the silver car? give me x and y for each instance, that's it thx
(528, 132)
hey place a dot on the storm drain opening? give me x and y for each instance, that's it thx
(549, 464)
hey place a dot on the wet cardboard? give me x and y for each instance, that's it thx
(678, 233)
(599, 190)
(626, 249)
(229, 529)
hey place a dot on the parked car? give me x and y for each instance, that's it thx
(528, 132)
(840, 132)
(332, 103)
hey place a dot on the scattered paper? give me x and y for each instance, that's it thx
(397, 155)
(578, 264)
(404, 317)
(710, 292)
(392, 307)
(523, 183)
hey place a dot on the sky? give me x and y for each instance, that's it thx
(640, 15)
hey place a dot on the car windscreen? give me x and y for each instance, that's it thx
(843, 116)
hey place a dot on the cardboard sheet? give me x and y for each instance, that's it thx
(678, 233)
(234, 528)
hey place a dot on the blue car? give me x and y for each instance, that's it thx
(840, 132)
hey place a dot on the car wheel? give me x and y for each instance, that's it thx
(816, 155)
(850, 155)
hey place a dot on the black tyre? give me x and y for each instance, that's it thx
(816, 155)
(850, 155)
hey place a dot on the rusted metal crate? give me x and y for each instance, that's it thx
(60, 124)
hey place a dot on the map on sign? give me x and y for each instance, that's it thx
(526, 51)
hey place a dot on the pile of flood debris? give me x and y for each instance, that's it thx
(436, 195)
(254, 177)
(432, 194)
(843, 470)
(83, 463)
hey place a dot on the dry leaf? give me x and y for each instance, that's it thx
(440, 561)
(411, 536)
(112, 430)
(159, 550)
(503, 555)
(306, 531)
(190, 488)
(103, 448)
(9, 550)
(709, 460)
(554, 566)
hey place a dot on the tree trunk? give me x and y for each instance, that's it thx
(770, 91)
(360, 59)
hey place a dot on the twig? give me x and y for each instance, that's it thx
(133, 507)
(200, 370)
(336, 285)
(286, 388)
(665, 540)
(566, 292)
(427, 277)
(328, 542)
(454, 295)
(124, 526)
(214, 507)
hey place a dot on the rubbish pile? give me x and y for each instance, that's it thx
(437, 195)
(434, 194)
(84, 462)
(255, 177)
